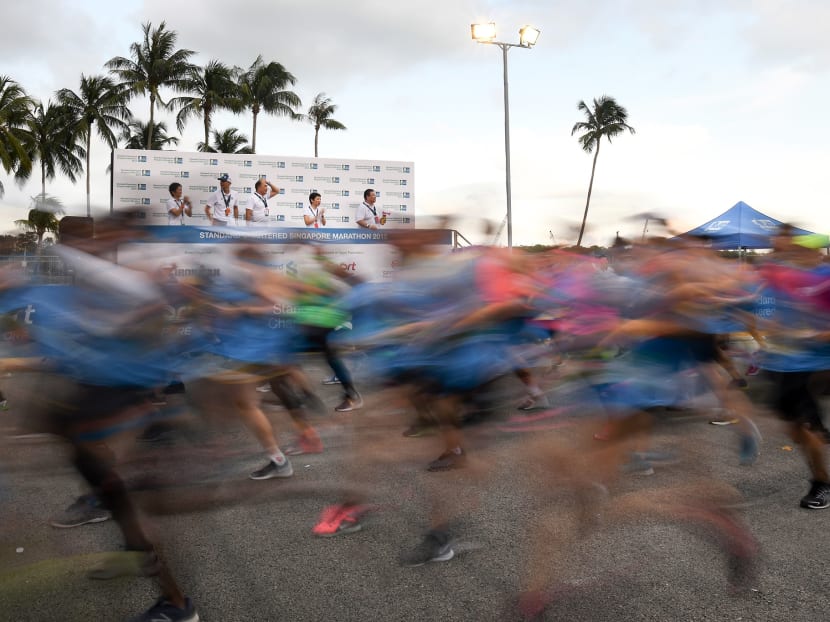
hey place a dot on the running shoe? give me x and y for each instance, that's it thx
(435, 547)
(125, 564)
(349, 404)
(272, 470)
(302, 446)
(818, 498)
(165, 611)
(339, 519)
(83, 511)
(447, 461)
(332, 380)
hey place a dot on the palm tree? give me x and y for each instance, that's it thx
(52, 143)
(262, 89)
(212, 88)
(136, 133)
(229, 141)
(99, 104)
(319, 115)
(15, 107)
(155, 63)
(607, 118)
(43, 217)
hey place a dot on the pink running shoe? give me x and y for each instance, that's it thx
(339, 519)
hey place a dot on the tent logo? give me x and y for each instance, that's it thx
(765, 224)
(717, 225)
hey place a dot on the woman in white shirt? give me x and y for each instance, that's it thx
(177, 205)
(315, 216)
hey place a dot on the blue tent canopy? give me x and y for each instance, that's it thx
(741, 226)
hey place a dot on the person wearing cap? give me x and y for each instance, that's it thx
(257, 210)
(178, 206)
(222, 203)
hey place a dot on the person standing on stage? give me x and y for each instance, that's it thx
(257, 210)
(178, 206)
(221, 203)
(315, 215)
(367, 215)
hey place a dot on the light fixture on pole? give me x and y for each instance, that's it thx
(528, 35)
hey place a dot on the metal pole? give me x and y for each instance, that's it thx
(507, 149)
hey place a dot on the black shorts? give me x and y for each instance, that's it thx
(793, 401)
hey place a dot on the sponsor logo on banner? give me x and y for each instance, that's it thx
(280, 217)
(133, 186)
(328, 180)
(374, 168)
(269, 163)
(131, 158)
(399, 195)
(203, 160)
(302, 190)
(337, 167)
(366, 181)
(179, 174)
(307, 165)
(398, 169)
(292, 178)
(247, 190)
(134, 200)
(395, 182)
(168, 159)
(333, 206)
(299, 205)
(238, 163)
(135, 172)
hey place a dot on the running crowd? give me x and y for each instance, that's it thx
(655, 318)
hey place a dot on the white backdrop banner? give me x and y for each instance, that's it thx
(140, 179)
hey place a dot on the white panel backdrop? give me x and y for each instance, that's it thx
(141, 178)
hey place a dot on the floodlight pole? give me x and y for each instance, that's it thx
(504, 48)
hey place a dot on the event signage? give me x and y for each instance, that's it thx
(141, 179)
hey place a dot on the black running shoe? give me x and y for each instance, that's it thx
(165, 611)
(272, 470)
(818, 498)
(435, 547)
(85, 510)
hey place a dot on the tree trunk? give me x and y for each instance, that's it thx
(88, 145)
(150, 126)
(588, 200)
(42, 180)
(316, 134)
(253, 134)
(207, 130)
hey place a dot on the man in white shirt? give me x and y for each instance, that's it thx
(178, 206)
(367, 215)
(221, 203)
(257, 210)
(315, 216)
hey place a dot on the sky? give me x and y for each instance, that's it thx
(727, 97)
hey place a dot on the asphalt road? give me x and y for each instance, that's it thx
(243, 549)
